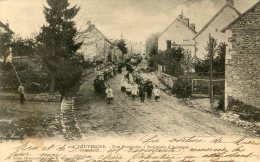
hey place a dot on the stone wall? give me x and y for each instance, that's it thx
(243, 59)
(166, 79)
(42, 97)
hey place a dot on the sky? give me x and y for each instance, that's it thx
(134, 19)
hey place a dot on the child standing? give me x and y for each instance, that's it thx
(134, 91)
(156, 92)
(110, 95)
(128, 89)
(124, 83)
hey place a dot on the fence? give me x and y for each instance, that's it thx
(199, 83)
(202, 86)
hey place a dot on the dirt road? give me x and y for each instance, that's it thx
(128, 117)
(93, 117)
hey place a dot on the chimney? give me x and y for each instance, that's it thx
(186, 21)
(230, 2)
(181, 15)
(192, 26)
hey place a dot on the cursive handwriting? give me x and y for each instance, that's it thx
(147, 149)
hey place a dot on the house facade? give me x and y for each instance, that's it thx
(135, 48)
(115, 54)
(179, 32)
(95, 45)
(243, 58)
(223, 17)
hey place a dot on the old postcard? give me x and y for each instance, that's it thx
(129, 80)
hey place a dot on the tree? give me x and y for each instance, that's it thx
(23, 47)
(57, 48)
(173, 60)
(188, 62)
(219, 60)
(219, 54)
(152, 44)
(5, 44)
(122, 46)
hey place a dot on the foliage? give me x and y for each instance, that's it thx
(177, 61)
(152, 44)
(219, 52)
(57, 47)
(28, 76)
(122, 46)
(221, 103)
(247, 112)
(5, 44)
(23, 47)
(188, 62)
(182, 88)
(219, 60)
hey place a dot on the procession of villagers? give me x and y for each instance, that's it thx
(132, 84)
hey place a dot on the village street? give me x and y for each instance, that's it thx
(125, 117)
(128, 117)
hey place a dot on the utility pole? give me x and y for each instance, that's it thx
(210, 50)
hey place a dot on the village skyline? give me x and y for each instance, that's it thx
(135, 20)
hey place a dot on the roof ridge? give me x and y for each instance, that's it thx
(225, 28)
(105, 38)
(177, 19)
(187, 25)
(215, 16)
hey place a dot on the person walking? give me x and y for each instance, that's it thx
(95, 85)
(142, 91)
(134, 91)
(124, 83)
(156, 92)
(110, 95)
(149, 88)
(21, 91)
(128, 89)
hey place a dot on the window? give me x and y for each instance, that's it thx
(169, 44)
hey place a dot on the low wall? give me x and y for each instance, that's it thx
(166, 79)
(45, 97)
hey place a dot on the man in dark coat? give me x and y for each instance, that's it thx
(142, 91)
(149, 88)
(96, 84)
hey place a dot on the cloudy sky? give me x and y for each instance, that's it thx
(136, 19)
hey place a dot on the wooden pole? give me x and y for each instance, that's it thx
(211, 69)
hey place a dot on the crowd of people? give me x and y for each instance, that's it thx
(132, 84)
(136, 87)
(100, 89)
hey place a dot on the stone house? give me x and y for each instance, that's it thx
(96, 45)
(243, 57)
(222, 18)
(179, 32)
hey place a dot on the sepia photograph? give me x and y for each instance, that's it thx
(130, 80)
